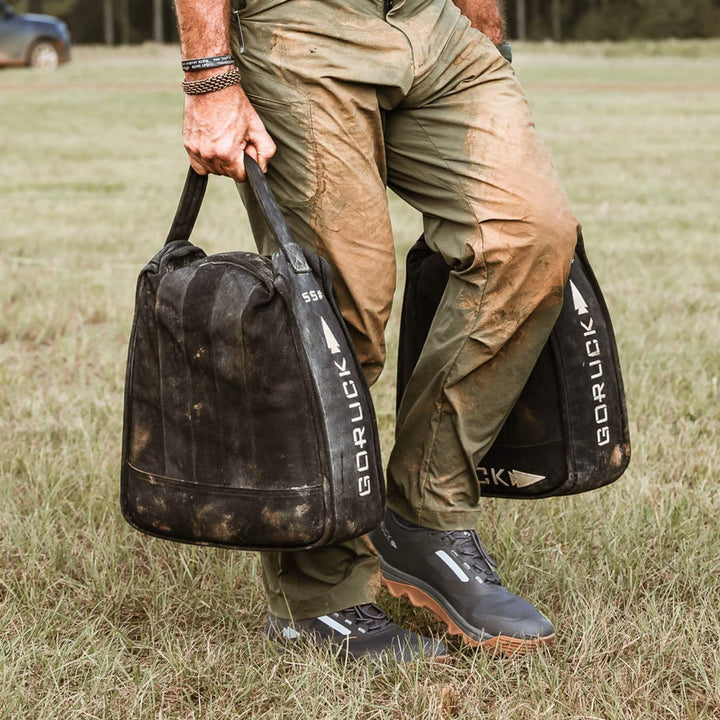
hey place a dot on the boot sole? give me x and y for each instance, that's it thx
(502, 644)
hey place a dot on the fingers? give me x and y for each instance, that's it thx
(213, 165)
(198, 167)
(219, 128)
(261, 147)
(218, 159)
(231, 162)
(236, 169)
(251, 150)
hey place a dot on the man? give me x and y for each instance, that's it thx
(346, 97)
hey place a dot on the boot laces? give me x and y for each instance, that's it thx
(368, 616)
(467, 545)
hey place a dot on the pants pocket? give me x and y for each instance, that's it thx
(293, 170)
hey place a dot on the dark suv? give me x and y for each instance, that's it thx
(40, 41)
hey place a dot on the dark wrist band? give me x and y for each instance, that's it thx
(207, 63)
(212, 84)
(505, 50)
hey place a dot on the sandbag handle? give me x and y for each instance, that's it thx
(191, 202)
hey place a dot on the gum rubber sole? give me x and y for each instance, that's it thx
(503, 644)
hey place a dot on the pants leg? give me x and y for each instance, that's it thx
(460, 147)
(329, 177)
(463, 150)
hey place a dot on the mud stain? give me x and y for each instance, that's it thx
(140, 440)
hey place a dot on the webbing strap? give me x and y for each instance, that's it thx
(191, 202)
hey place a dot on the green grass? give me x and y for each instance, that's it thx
(97, 621)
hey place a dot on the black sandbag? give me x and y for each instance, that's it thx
(568, 431)
(248, 422)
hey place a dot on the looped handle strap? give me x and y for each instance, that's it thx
(188, 207)
(191, 201)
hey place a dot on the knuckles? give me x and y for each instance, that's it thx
(222, 153)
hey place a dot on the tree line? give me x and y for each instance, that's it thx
(133, 21)
(612, 19)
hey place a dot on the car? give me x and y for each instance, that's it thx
(40, 41)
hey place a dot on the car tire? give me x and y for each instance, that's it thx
(44, 55)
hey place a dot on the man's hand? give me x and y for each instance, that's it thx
(219, 128)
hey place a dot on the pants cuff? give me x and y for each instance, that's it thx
(447, 520)
(360, 589)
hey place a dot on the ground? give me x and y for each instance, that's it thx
(97, 621)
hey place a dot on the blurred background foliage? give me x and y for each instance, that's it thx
(135, 21)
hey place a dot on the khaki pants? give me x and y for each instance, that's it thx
(418, 101)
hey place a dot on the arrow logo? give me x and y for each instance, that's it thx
(330, 340)
(522, 480)
(578, 300)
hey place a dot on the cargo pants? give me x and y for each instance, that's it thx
(359, 96)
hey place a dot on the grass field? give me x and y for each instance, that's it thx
(97, 621)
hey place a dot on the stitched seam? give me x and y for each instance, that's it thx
(312, 145)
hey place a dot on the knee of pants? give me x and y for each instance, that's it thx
(547, 245)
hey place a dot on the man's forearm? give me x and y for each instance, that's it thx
(485, 16)
(220, 126)
(204, 27)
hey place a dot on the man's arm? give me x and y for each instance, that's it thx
(220, 126)
(484, 16)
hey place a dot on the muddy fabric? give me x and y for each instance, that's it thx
(357, 99)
